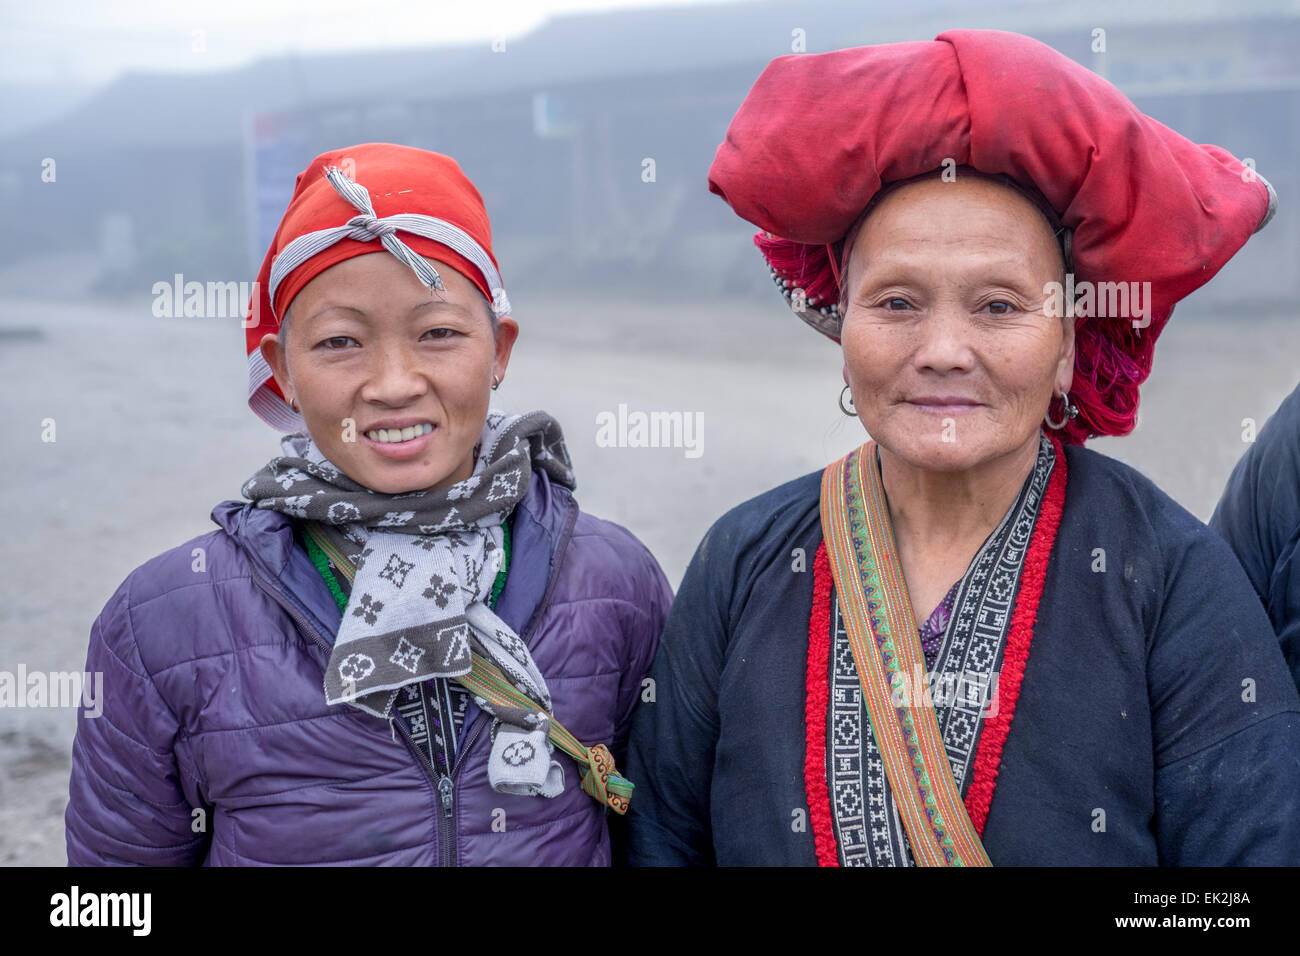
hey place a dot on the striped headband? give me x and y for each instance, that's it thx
(367, 226)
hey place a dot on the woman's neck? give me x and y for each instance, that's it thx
(953, 508)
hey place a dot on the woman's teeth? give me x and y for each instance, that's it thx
(398, 434)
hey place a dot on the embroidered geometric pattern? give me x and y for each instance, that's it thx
(973, 645)
(868, 829)
(429, 707)
(962, 683)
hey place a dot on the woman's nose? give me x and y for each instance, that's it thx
(945, 339)
(396, 377)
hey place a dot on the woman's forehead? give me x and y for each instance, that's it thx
(955, 255)
(933, 218)
(968, 197)
(379, 281)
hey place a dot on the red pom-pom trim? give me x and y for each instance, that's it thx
(988, 755)
(804, 266)
(817, 702)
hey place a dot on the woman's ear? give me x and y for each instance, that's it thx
(273, 353)
(507, 332)
(1065, 367)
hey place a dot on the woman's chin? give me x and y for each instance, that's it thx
(938, 450)
(399, 478)
(939, 459)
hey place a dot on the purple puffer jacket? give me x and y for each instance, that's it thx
(216, 746)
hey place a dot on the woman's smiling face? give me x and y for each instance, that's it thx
(371, 351)
(949, 352)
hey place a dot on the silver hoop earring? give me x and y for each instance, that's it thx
(293, 403)
(496, 381)
(851, 410)
(1071, 411)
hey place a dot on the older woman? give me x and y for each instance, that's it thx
(409, 645)
(972, 640)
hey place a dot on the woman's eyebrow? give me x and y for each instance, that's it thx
(331, 307)
(364, 316)
(446, 303)
(1009, 271)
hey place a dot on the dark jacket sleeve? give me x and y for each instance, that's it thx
(1259, 516)
(125, 805)
(674, 731)
(1225, 718)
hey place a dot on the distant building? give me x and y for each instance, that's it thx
(591, 137)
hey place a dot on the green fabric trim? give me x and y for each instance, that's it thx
(322, 562)
(499, 584)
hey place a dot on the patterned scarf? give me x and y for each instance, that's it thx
(425, 564)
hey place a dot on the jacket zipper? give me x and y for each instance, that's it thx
(444, 783)
(447, 791)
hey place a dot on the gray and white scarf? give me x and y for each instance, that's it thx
(425, 565)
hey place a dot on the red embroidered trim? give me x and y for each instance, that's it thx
(988, 755)
(817, 702)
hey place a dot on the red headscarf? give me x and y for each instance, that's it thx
(419, 204)
(818, 135)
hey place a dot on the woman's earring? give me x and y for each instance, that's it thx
(1071, 411)
(293, 403)
(496, 381)
(851, 410)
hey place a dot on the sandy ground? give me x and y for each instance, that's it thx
(152, 431)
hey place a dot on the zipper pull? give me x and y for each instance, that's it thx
(445, 787)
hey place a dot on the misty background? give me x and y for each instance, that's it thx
(137, 144)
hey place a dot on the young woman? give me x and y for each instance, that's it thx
(409, 646)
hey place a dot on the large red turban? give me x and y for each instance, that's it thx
(818, 135)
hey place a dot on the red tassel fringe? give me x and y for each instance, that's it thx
(805, 266)
(988, 756)
(817, 701)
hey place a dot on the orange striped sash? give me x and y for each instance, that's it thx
(882, 630)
